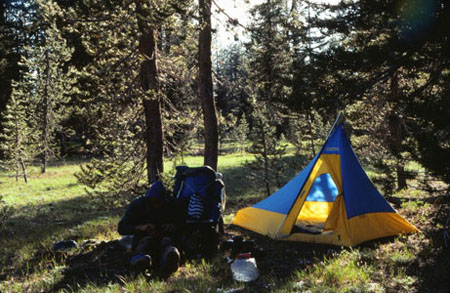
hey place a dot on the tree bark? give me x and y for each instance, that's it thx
(154, 139)
(397, 136)
(24, 170)
(152, 107)
(45, 116)
(62, 144)
(311, 137)
(266, 159)
(205, 86)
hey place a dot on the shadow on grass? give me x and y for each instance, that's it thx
(106, 263)
(100, 265)
(432, 264)
(27, 242)
(279, 260)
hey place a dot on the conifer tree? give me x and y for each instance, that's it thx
(16, 138)
(129, 90)
(13, 16)
(269, 53)
(268, 165)
(268, 87)
(231, 70)
(395, 55)
(47, 81)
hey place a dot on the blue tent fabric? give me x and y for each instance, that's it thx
(333, 143)
(323, 189)
(282, 200)
(355, 182)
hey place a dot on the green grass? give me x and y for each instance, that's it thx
(342, 272)
(58, 183)
(54, 206)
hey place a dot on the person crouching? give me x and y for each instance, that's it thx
(153, 220)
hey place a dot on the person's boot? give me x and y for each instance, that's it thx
(170, 261)
(141, 262)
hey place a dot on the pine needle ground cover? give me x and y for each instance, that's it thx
(53, 207)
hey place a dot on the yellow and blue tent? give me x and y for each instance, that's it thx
(331, 201)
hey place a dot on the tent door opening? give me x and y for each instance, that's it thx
(317, 206)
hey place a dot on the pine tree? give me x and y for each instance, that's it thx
(231, 71)
(13, 35)
(268, 87)
(48, 82)
(41, 89)
(242, 133)
(392, 55)
(269, 53)
(268, 165)
(124, 86)
(17, 144)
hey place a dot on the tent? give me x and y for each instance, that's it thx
(331, 201)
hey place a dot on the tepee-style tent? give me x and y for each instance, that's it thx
(331, 201)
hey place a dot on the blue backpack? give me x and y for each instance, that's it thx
(202, 192)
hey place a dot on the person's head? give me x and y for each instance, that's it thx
(156, 203)
(156, 195)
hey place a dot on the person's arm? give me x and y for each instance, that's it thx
(131, 223)
(128, 225)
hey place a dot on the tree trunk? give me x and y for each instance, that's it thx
(397, 132)
(311, 137)
(16, 133)
(154, 139)
(62, 144)
(266, 160)
(20, 162)
(152, 107)
(401, 177)
(45, 116)
(17, 171)
(24, 170)
(205, 86)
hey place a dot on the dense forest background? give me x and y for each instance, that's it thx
(125, 85)
(101, 98)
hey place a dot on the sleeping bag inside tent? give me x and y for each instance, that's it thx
(331, 201)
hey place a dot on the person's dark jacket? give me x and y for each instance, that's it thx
(140, 212)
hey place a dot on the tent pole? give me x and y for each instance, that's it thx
(338, 121)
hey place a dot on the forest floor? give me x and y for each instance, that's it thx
(53, 206)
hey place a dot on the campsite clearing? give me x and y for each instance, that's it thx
(54, 207)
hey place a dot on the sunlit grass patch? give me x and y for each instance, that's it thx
(401, 255)
(228, 219)
(342, 272)
(103, 228)
(57, 183)
(412, 206)
(198, 275)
